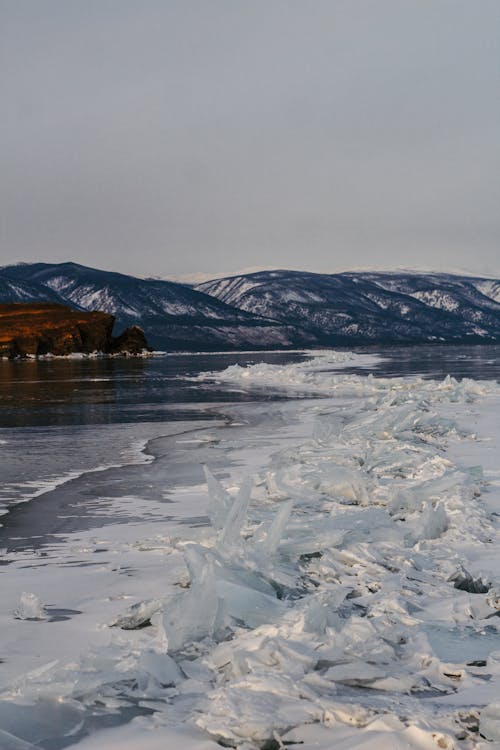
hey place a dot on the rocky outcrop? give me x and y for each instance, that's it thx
(131, 341)
(35, 329)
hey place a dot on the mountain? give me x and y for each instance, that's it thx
(274, 309)
(16, 290)
(366, 308)
(174, 316)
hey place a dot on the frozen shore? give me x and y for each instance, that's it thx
(331, 580)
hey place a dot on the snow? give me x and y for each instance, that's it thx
(437, 298)
(177, 308)
(305, 297)
(333, 581)
(92, 298)
(59, 283)
(489, 287)
(231, 289)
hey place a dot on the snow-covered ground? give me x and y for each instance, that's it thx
(331, 581)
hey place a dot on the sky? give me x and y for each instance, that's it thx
(180, 137)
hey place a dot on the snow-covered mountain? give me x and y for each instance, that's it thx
(174, 316)
(364, 307)
(16, 290)
(274, 309)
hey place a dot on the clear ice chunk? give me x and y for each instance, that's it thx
(342, 482)
(161, 667)
(271, 536)
(247, 607)
(138, 615)
(434, 521)
(236, 517)
(30, 608)
(219, 501)
(191, 616)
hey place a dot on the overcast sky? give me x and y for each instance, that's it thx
(167, 137)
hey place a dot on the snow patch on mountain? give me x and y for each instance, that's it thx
(437, 298)
(489, 287)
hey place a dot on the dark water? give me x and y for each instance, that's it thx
(114, 391)
(476, 362)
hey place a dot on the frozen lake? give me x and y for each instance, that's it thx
(337, 580)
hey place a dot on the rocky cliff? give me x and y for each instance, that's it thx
(35, 329)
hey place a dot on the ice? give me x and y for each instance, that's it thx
(256, 708)
(344, 593)
(342, 482)
(386, 733)
(46, 719)
(246, 606)
(434, 521)
(272, 534)
(8, 740)
(30, 608)
(455, 644)
(191, 616)
(464, 581)
(138, 615)
(489, 722)
(223, 587)
(219, 500)
(355, 673)
(159, 667)
(142, 734)
(236, 516)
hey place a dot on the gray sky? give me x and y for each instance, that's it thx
(164, 137)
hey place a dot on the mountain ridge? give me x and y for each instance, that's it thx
(174, 316)
(371, 307)
(279, 308)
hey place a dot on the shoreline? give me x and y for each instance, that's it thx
(83, 355)
(36, 516)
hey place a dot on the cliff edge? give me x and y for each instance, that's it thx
(38, 328)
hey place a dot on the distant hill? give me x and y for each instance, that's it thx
(366, 308)
(274, 309)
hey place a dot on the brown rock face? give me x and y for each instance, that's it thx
(131, 341)
(48, 328)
